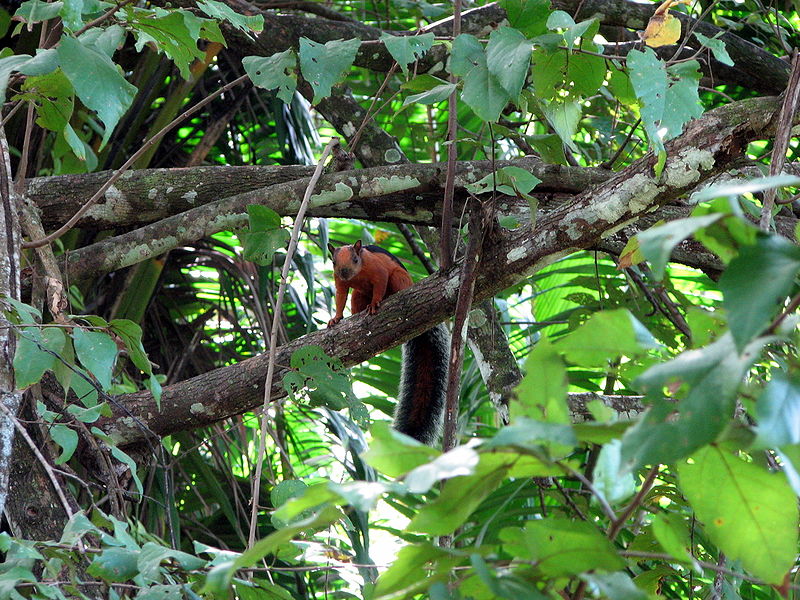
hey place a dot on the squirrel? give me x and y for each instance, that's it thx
(374, 274)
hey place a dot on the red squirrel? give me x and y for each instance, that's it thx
(374, 274)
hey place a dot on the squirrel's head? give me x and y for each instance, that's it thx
(346, 260)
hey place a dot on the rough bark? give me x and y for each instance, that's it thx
(707, 147)
(147, 195)
(353, 191)
(9, 287)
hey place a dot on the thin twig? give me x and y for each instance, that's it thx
(102, 17)
(273, 338)
(357, 136)
(783, 133)
(647, 484)
(446, 233)
(134, 157)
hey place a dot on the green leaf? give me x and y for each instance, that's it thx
(323, 64)
(287, 490)
(657, 243)
(403, 580)
(67, 438)
(610, 478)
(739, 187)
(542, 393)
(116, 565)
(97, 352)
(512, 181)
(548, 71)
(131, 335)
(528, 16)
(223, 12)
(467, 53)
(620, 85)
(682, 101)
(672, 533)
(35, 11)
(508, 57)
(106, 92)
(274, 72)
(394, 454)
(406, 49)
(91, 414)
(586, 72)
(7, 66)
(37, 351)
(564, 547)
(649, 79)
(750, 513)
(564, 117)
(324, 380)
(712, 376)
(755, 284)
(483, 93)
(606, 335)
(778, 413)
(175, 34)
(716, 46)
(432, 96)
(616, 586)
(461, 496)
(152, 555)
(71, 14)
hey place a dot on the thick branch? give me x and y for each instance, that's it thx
(350, 190)
(707, 147)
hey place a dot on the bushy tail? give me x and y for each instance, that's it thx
(423, 384)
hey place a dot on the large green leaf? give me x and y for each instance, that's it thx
(407, 49)
(171, 33)
(528, 16)
(323, 64)
(221, 11)
(394, 454)
(756, 282)
(37, 352)
(711, 376)
(649, 79)
(605, 336)
(97, 352)
(542, 393)
(562, 547)
(682, 101)
(274, 72)
(483, 93)
(403, 578)
(461, 496)
(749, 512)
(778, 413)
(657, 243)
(508, 56)
(106, 92)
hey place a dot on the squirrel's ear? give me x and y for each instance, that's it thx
(357, 247)
(331, 249)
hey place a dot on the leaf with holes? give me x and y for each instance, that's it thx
(406, 49)
(323, 65)
(274, 72)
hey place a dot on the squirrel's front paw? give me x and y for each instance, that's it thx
(373, 308)
(334, 321)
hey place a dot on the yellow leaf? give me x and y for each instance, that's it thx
(662, 30)
(381, 235)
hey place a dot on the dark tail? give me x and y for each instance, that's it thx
(420, 403)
